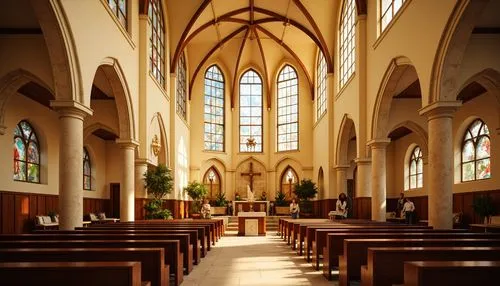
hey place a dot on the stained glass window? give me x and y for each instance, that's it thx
(214, 109)
(119, 8)
(181, 86)
(476, 152)
(251, 112)
(212, 182)
(388, 9)
(321, 86)
(347, 42)
(87, 171)
(157, 41)
(288, 110)
(416, 169)
(26, 154)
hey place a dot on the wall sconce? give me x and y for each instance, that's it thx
(155, 145)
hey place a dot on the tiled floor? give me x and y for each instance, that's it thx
(254, 261)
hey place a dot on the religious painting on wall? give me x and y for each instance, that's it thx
(26, 154)
(476, 152)
(288, 179)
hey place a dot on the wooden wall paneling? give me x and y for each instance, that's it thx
(8, 212)
(468, 213)
(33, 206)
(22, 214)
(1, 213)
(40, 205)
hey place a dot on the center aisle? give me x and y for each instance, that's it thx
(254, 261)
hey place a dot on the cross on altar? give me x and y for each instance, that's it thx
(250, 175)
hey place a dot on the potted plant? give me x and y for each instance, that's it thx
(237, 196)
(159, 183)
(220, 204)
(281, 205)
(483, 206)
(197, 191)
(305, 190)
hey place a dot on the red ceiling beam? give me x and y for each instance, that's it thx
(292, 53)
(237, 65)
(315, 27)
(185, 33)
(263, 57)
(209, 54)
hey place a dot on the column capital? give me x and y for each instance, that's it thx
(127, 143)
(341, 167)
(140, 161)
(378, 143)
(440, 109)
(71, 108)
(363, 161)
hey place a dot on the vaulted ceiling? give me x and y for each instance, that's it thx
(262, 34)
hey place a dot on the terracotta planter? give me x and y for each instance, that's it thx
(218, 210)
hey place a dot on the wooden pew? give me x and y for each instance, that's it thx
(456, 273)
(152, 260)
(185, 246)
(203, 237)
(173, 256)
(193, 236)
(71, 273)
(385, 265)
(216, 225)
(355, 252)
(335, 241)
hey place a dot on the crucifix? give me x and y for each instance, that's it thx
(250, 174)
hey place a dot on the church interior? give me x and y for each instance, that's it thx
(256, 101)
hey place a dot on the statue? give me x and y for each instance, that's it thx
(250, 196)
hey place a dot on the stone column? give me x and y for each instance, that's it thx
(379, 182)
(363, 183)
(341, 174)
(141, 167)
(127, 192)
(71, 115)
(440, 158)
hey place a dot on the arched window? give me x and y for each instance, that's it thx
(181, 86)
(388, 9)
(288, 179)
(157, 41)
(26, 154)
(476, 152)
(347, 42)
(119, 8)
(321, 86)
(251, 112)
(214, 109)
(288, 109)
(321, 183)
(416, 169)
(212, 182)
(87, 171)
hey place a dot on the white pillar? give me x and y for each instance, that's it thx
(127, 192)
(141, 167)
(71, 115)
(363, 177)
(440, 191)
(341, 176)
(379, 182)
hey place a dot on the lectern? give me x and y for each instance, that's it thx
(251, 223)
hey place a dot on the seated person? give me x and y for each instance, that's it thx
(294, 209)
(341, 207)
(205, 210)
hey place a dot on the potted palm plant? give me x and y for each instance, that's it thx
(305, 190)
(159, 183)
(197, 191)
(281, 205)
(220, 204)
(483, 206)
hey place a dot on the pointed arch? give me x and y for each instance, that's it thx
(27, 153)
(212, 179)
(418, 130)
(321, 183)
(347, 42)
(251, 115)
(87, 170)
(163, 155)
(343, 139)
(287, 109)
(288, 179)
(215, 109)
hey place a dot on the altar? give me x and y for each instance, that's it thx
(247, 206)
(252, 223)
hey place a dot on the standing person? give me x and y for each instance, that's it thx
(205, 209)
(399, 206)
(271, 208)
(294, 209)
(341, 207)
(230, 208)
(409, 211)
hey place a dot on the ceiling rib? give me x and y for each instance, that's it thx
(209, 54)
(237, 65)
(292, 53)
(186, 31)
(263, 57)
(324, 47)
